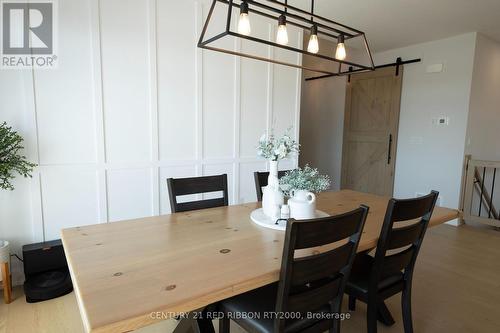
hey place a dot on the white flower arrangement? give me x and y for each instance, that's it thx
(307, 179)
(275, 149)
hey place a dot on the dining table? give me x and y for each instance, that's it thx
(130, 274)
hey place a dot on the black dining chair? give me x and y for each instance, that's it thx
(261, 181)
(197, 185)
(390, 271)
(311, 284)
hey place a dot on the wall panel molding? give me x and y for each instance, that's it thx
(298, 93)
(270, 82)
(236, 120)
(199, 83)
(153, 100)
(34, 149)
(135, 185)
(100, 137)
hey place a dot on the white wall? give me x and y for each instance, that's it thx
(15, 206)
(484, 115)
(133, 102)
(428, 156)
(322, 117)
(322, 125)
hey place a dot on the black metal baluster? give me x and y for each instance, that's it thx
(482, 192)
(492, 191)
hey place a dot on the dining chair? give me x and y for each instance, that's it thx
(261, 181)
(390, 271)
(311, 284)
(197, 185)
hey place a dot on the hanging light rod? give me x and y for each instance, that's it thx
(283, 15)
(313, 45)
(303, 12)
(332, 35)
(303, 16)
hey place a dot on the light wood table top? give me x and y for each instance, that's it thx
(122, 272)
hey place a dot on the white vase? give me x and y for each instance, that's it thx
(302, 205)
(272, 197)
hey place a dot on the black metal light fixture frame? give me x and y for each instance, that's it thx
(297, 17)
(399, 62)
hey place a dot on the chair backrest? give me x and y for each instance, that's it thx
(261, 181)
(312, 282)
(402, 234)
(197, 185)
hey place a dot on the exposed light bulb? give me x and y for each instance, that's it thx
(341, 53)
(313, 46)
(244, 22)
(282, 35)
(244, 25)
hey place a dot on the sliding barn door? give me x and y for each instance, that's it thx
(370, 131)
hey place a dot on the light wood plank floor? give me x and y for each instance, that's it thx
(456, 289)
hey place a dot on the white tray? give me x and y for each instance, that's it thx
(259, 218)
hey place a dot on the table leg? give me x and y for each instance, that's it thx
(185, 325)
(384, 315)
(190, 324)
(7, 291)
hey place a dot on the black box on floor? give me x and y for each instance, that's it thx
(46, 271)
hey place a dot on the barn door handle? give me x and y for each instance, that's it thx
(389, 157)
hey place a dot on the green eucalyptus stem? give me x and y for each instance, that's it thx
(308, 179)
(11, 159)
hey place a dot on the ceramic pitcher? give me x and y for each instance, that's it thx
(302, 205)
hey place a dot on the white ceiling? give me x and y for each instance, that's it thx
(391, 24)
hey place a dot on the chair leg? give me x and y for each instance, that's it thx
(384, 315)
(224, 323)
(205, 325)
(371, 318)
(336, 308)
(352, 303)
(406, 305)
(336, 326)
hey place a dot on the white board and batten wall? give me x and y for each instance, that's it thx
(133, 102)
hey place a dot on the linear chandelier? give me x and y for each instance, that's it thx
(239, 18)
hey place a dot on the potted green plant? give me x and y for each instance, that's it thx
(301, 185)
(12, 161)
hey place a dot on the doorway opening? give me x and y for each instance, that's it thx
(349, 128)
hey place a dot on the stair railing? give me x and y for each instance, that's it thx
(479, 184)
